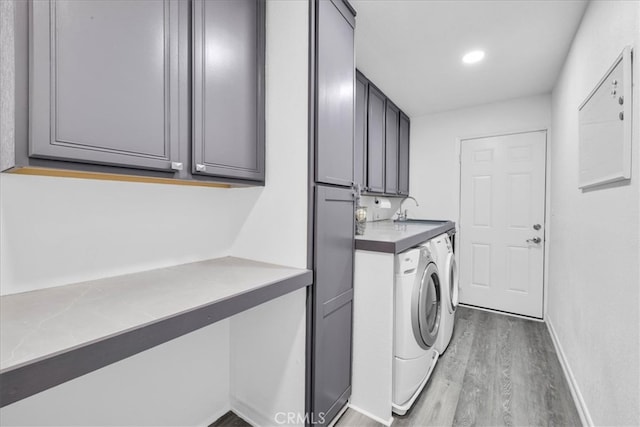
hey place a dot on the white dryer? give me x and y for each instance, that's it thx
(442, 249)
(418, 313)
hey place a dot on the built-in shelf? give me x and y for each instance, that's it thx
(53, 335)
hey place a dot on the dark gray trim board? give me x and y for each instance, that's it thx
(346, 10)
(337, 407)
(33, 377)
(396, 247)
(311, 197)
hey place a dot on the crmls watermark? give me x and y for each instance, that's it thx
(298, 418)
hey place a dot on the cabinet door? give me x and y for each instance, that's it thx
(228, 88)
(360, 140)
(333, 300)
(104, 82)
(403, 155)
(392, 120)
(375, 140)
(335, 93)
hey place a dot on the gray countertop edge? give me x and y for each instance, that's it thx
(32, 377)
(404, 244)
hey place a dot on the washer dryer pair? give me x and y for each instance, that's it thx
(418, 314)
(442, 250)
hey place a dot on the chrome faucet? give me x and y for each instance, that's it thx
(402, 215)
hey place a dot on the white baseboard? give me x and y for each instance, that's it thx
(581, 406)
(506, 313)
(373, 417)
(249, 414)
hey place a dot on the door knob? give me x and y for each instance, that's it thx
(537, 226)
(534, 240)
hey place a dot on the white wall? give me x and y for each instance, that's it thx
(434, 172)
(180, 383)
(375, 211)
(594, 282)
(268, 342)
(268, 363)
(276, 228)
(55, 231)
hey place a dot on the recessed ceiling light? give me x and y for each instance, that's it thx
(473, 57)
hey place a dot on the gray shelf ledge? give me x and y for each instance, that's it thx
(395, 237)
(50, 336)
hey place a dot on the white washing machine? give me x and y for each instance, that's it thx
(418, 313)
(442, 250)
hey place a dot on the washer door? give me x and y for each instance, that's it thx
(452, 279)
(426, 307)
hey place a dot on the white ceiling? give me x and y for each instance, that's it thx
(412, 49)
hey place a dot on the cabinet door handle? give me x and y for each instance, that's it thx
(201, 168)
(176, 166)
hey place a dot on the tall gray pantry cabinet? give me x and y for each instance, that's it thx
(165, 88)
(333, 237)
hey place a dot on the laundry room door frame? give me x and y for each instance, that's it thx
(547, 205)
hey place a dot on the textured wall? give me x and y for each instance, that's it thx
(6, 85)
(594, 283)
(276, 227)
(434, 170)
(268, 342)
(56, 231)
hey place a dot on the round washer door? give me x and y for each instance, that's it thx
(452, 268)
(426, 307)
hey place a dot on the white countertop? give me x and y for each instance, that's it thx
(40, 324)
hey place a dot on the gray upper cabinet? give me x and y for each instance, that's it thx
(123, 86)
(335, 74)
(403, 155)
(392, 119)
(382, 141)
(360, 139)
(228, 88)
(375, 140)
(104, 82)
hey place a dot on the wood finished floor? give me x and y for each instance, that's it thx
(230, 419)
(498, 371)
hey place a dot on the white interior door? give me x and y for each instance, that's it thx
(502, 206)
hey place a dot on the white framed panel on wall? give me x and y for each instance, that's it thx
(605, 123)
